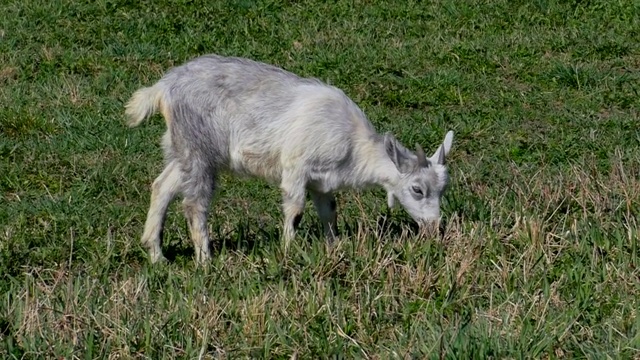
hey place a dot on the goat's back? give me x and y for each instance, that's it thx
(255, 118)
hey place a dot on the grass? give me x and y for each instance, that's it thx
(539, 258)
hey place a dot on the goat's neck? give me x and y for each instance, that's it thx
(374, 167)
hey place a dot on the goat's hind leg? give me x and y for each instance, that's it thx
(197, 198)
(164, 189)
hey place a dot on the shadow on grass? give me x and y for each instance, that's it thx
(248, 238)
(390, 226)
(243, 237)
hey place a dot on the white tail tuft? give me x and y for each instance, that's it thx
(143, 103)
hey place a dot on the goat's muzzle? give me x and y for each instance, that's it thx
(429, 228)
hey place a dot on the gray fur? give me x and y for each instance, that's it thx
(255, 119)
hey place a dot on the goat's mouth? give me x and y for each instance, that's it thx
(429, 228)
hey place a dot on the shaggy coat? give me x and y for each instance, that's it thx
(255, 119)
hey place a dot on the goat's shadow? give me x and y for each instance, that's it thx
(243, 237)
(389, 226)
(247, 237)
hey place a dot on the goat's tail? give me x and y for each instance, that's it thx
(144, 103)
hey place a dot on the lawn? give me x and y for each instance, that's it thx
(539, 253)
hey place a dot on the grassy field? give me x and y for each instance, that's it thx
(539, 257)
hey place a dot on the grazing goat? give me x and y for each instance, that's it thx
(251, 118)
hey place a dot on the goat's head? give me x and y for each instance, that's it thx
(422, 180)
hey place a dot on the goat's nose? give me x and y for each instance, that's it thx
(429, 227)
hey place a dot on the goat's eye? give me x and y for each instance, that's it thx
(417, 190)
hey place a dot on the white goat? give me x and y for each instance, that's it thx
(252, 118)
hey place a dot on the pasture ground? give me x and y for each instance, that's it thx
(539, 258)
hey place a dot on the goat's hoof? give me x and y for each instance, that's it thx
(203, 261)
(158, 259)
(203, 258)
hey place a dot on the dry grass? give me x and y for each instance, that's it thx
(373, 295)
(538, 255)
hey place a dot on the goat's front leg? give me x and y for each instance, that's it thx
(293, 198)
(326, 207)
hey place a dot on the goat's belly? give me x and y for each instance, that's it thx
(325, 181)
(263, 165)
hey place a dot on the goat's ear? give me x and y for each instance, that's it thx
(439, 157)
(400, 156)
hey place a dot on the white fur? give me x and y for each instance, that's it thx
(255, 119)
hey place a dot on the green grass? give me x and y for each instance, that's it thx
(539, 258)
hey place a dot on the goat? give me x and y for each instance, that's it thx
(250, 118)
